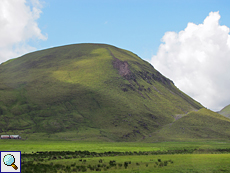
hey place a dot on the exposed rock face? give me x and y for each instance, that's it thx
(122, 67)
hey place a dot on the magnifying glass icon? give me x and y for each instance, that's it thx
(9, 160)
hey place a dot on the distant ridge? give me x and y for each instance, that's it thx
(91, 92)
(225, 111)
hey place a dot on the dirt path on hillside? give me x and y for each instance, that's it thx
(178, 116)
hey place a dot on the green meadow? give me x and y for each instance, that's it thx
(72, 156)
(29, 146)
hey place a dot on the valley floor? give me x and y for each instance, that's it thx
(169, 157)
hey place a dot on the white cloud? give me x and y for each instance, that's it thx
(197, 59)
(18, 26)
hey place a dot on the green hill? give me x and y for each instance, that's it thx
(87, 92)
(225, 111)
(203, 124)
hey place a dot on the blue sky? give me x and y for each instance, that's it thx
(136, 25)
(188, 41)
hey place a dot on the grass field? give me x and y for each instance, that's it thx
(204, 156)
(182, 163)
(34, 146)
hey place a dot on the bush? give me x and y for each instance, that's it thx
(165, 163)
(90, 167)
(170, 161)
(161, 164)
(112, 163)
(74, 164)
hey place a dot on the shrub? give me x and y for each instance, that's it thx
(165, 163)
(54, 157)
(170, 161)
(91, 167)
(74, 164)
(112, 163)
(84, 169)
(161, 164)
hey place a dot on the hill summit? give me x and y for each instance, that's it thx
(87, 92)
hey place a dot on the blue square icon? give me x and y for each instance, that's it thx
(10, 161)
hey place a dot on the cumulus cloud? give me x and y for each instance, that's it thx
(197, 59)
(18, 26)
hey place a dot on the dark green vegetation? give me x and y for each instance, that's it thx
(97, 92)
(181, 157)
(182, 163)
(85, 161)
(225, 111)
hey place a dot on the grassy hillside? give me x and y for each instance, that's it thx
(225, 111)
(86, 92)
(196, 125)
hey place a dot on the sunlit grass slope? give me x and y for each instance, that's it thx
(86, 92)
(196, 125)
(225, 111)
